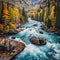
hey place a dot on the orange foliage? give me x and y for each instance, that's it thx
(45, 16)
(1, 27)
(5, 11)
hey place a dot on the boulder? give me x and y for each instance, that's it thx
(40, 32)
(13, 31)
(13, 37)
(38, 41)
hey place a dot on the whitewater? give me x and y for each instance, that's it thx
(50, 51)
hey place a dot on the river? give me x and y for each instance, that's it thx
(50, 51)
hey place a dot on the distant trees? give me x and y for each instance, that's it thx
(40, 15)
(8, 17)
(23, 16)
(49, 14)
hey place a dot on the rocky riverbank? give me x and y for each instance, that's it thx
(15, 31)
(10, 48)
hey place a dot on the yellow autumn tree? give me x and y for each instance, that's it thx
(12, 14)
(52, 12)
(41, 11)
(52, 17)
(12, 26)
(16, 12)
(6, 29)
(45, 16)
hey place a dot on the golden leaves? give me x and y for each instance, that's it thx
(52, 12)
(12, 26)
(45, 16)
(41, 11)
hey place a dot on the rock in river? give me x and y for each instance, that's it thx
(40, 32)
(13, 31)
(38, 41)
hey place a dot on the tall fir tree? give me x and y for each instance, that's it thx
(24, 14)
(48, 23)
(37, 16)
(42, 16)
(2, 8)
(57, 14)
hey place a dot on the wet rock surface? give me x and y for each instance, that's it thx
(40, 32)
(38, 41)
(8, 53)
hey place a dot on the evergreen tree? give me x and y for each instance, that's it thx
(1, 11)
(42, 16)
(24, 14)
(57, 14)
(48, 23)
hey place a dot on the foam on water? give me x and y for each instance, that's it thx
(40, 52)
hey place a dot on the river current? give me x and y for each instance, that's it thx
(50, 51)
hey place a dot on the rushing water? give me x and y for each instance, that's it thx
(50, 51)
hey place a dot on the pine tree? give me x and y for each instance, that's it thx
(37, 16)
(42, 16)
(48, 23)
(57, 14)
(1, 12)
(24, 14)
